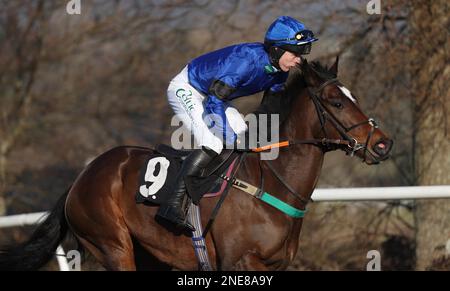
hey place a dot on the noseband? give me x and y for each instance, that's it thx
(325, 115)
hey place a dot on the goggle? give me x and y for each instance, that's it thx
(298, 50)
(299, 36)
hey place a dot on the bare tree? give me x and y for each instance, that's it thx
(21, 34)
(430, 65)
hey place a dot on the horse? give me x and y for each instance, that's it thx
(99, 208)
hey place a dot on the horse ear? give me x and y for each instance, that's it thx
(311, 77)
(334, 67)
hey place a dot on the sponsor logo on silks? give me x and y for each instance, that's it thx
(269, 69)
(185, 96)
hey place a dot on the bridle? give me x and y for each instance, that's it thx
(349, 144)
(325, 115)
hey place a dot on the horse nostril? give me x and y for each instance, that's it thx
(383, 147)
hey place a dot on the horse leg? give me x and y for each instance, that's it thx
(112, 257)
(103, 233)
(250, 262)
(145, 261)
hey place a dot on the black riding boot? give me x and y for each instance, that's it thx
(173, 209)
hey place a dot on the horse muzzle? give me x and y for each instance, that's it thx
(382, 148)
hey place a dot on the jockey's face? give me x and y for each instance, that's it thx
(289, 60)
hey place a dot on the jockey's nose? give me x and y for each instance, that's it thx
(382, 147)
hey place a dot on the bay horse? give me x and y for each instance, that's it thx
(100, 209)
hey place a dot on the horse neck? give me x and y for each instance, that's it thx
(300, 165)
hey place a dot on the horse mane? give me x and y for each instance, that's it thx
(275, 103)
(295, 82)
(324, 72)
(280, 102)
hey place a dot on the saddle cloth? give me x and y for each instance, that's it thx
(158, 175)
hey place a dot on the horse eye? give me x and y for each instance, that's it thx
(338, 105)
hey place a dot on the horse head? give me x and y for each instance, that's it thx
(340, 116)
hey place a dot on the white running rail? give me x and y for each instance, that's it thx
(381, 193)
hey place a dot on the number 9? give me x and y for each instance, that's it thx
(159, 180)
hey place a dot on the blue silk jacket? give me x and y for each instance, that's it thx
(232, 72)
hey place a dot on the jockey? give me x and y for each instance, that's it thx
(199, 96)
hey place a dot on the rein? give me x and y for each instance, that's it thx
(348, 143)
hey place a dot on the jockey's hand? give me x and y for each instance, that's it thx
(216, 111)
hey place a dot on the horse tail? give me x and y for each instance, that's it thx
(41, 247)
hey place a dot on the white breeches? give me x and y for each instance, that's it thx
(187, 104)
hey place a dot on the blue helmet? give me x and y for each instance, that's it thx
(289, 34)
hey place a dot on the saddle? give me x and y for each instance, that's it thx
(159, 172)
